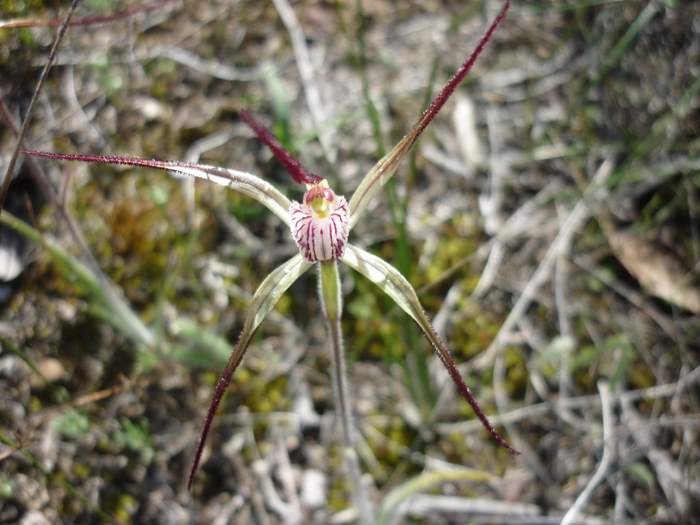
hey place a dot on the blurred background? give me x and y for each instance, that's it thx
(549, 219)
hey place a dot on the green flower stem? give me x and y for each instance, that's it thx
(332, 304)
(329, 289)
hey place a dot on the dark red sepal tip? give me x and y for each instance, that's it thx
(292, 165)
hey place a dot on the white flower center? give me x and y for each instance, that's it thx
(320, 223)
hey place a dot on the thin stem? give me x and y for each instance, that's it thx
(340, 383)
(25, 123)
(331, 301)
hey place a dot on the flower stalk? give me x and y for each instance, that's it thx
(332, 304)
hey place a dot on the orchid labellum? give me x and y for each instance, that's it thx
(320, 225)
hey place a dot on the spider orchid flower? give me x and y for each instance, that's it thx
(320, 225)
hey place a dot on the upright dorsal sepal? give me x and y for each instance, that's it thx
(291, 164)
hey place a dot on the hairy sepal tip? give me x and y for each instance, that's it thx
(290, 163)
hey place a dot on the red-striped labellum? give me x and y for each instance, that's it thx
(320, 223)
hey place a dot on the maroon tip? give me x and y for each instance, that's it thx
(221, 386)
(449, 363)
(467, 394)
(292, 165)
(444, 95)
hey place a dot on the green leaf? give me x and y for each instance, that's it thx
(641, 473)
(202, 346)
(105, 301)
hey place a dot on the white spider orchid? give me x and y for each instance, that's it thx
(320, 225)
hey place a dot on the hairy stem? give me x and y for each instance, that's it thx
(331, 301)
(340, 384)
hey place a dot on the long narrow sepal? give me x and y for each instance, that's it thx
(246, 183)
(395, 285)
(291, 164)
(265, 298)
(386, 167)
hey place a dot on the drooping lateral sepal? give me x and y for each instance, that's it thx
(266, 297)
(395, 285)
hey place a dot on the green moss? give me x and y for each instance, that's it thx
(72, 424)
(267, 396)
(123, 507)
(516, 372)
(80, 471)
(135, 436)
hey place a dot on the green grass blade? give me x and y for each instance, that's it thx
(391, 506)
(116, 311)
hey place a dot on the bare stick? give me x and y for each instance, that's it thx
(602, 470)
(306, 72)
(85, 21)
(25, 123)
(572, 223)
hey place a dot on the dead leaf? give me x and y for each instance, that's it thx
(659, 272)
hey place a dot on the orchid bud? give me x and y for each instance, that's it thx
(320, 223)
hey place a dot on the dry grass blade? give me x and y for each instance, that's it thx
(573, 222)
(602, 470)
(658, 271)
(306, 72)
(7, 178)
